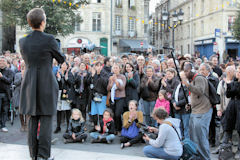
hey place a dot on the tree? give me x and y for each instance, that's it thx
(236, 27)
(60, 14)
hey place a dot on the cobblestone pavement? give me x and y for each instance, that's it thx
(113, 151)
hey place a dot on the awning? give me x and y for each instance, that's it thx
(134, 45)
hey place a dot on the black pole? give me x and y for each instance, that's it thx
(172, 51)
(173, 36)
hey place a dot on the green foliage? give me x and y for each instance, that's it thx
(60, 14)
(236, 27)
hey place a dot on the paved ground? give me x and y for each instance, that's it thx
(14, 143)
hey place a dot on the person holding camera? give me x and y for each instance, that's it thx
(130, 132)
(167, 145)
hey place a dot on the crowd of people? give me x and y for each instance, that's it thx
(118, 94)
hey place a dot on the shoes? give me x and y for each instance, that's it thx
(58, 129)
(68, 141)
(109, 142)
(237, 155)
(4, 129)
(40, 158)
(122, 145)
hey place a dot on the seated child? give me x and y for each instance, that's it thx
(106, 129)
(76, 128)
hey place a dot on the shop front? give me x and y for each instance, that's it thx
(232, 47)
(205, 47)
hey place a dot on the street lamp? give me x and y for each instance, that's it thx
(177, 18)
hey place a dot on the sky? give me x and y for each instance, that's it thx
(152, 5)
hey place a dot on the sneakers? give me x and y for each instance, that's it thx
(4, 129)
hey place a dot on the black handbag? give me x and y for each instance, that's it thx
(97, 97)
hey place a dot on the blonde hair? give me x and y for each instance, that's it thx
(75, 110)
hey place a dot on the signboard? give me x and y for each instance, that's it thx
(217, 32)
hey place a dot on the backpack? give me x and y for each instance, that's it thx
(213, 97)
(189, 147)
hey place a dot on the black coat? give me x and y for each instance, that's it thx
(132, 87)
(6, 81)
(99, 82)
(110, 127)
(39, 91)
(181, 100)
(76, 127)
(81, 97)
(232, 113)
(218, 71)
(213, 80)
(65, 84)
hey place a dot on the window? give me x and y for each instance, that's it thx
(119, 3)
(131, 24)
(98, 1)
(96, 24)
(231, 20)
(145, 28)
(77, 24)
(202, 26)
(118, 22)
(188, 48)
(181, 49)
(131, 3)
(202, 7)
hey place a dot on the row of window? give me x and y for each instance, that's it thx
(118, 3)
(97, 24)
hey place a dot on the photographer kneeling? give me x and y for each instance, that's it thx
(167, 145)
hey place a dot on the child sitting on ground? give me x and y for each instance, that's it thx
(76, 128)
(105, 130)
(162, 102)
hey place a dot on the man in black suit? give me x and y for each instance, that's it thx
(39, 91)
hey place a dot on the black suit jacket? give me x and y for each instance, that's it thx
(39, 90)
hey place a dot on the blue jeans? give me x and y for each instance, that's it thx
(109, 137)
(152, 152)
(185, 122)
(199, 131)
(148, 109)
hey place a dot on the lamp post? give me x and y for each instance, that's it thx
(177, 18)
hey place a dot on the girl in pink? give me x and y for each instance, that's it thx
(162, 102)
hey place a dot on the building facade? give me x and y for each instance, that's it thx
(206, 27)
(129, 22)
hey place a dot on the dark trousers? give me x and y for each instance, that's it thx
(4, 103)
(82, 108)
(212, 128)
(60, 115)
(131, 140)
(117, 108)
(79, 138)
(40, 146)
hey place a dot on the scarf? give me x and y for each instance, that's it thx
(105, 123)
(113, 89)
(82, 81)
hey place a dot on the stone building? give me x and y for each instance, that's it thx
(206, 28)
(129, 27)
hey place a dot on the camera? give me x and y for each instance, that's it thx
(144, 130)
